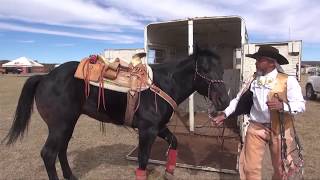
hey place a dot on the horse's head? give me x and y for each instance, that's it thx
(208, 80)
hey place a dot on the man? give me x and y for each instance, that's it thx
(267, 96)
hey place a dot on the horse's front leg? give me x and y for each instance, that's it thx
(167, 135)
(147, 135)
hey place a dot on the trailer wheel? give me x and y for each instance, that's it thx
(310, 94)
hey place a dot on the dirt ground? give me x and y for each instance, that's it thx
(96, 156)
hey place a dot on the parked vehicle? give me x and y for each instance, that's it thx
(13, 70)
(313, 85)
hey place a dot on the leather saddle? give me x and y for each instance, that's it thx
(117, 75)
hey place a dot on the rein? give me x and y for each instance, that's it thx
(286, 165)
(283, 144)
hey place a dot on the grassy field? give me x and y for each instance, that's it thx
(96, 156)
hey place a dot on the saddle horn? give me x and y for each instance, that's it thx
(140, 55)
(136, 59)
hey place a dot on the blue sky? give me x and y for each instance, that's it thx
(54, 32)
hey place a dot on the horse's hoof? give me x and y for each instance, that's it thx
(168, 176)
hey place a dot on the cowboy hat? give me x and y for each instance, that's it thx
(271, 52)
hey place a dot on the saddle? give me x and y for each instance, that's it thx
(116, 75)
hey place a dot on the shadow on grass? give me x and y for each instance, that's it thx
(91, 158)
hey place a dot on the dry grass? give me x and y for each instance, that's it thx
(95, 156)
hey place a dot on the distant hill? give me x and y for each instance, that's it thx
(311, 63)
(3, 61)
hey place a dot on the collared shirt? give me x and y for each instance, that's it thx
(260, 87)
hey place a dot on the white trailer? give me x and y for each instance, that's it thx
(174, 40)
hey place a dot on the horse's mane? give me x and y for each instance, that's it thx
(206, 52)
(171, 65)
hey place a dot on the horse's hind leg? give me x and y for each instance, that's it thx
(49, 154)
(172, 153)
(66, 170)
(146, 139)
(57, 143)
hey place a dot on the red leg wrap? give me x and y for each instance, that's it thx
(171, 162)
(141, 174)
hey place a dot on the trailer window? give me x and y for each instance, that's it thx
(156, 56)
(151, 56)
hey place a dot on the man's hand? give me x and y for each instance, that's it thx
(275, 104)
(218, 120)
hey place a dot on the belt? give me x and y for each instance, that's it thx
(265, 125)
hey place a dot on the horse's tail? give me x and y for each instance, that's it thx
(23, 111)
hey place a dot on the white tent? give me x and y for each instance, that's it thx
(22, 62)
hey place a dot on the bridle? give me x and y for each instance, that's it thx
(203, 77)
(208, 80)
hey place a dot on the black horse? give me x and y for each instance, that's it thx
(60, 100)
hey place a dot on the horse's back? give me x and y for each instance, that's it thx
(59, 93)
(60, 80)
(65, 69)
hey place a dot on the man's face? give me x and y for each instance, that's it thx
(264, 65)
